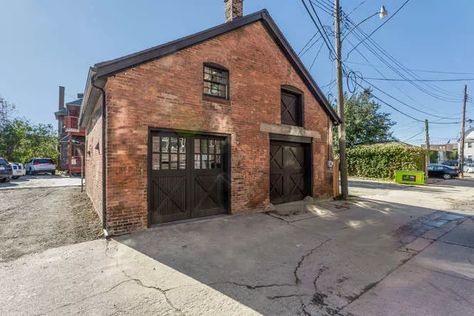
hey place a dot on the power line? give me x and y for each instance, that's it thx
(385, 22)
(320, 27)
(421, 80)
(311, 46)
(417, 134)
(307, 43)
(417, 70)
(315, 57)
(408, 115)
(397, 67)
(323, 6)
(398, 110)
(404, 103)
(357, 7)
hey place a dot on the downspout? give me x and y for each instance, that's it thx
(104, 161)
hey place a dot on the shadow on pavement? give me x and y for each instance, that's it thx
(315, 261)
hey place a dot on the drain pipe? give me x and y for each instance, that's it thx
(104, 161)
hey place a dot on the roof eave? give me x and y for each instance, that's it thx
(91, 95)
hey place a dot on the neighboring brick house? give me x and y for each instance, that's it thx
(227, 120)
(71, 137)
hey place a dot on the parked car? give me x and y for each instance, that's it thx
(451, 163)
(5, 170)
(18, 170)
(442, 171)
(40, 165)
(469, 168)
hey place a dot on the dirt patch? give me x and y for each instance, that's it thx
(33, 220)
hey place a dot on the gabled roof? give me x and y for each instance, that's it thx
(75, 102)
(104, 69)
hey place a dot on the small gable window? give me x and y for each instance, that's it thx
(216, 81)
(291, 106)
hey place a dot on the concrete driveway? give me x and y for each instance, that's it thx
(41, 181)
(390, 250)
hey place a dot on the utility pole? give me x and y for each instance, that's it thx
(341, 128)
(463, 131)
(427, 138)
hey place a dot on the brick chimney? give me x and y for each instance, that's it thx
(234, 9)
(61, 98)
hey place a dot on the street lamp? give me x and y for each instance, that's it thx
(381, 13)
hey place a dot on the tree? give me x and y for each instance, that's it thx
(20, 141)
(6, 111)
(365, 123)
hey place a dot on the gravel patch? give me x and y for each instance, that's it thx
(33, 220)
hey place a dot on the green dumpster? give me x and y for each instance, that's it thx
(410, 177)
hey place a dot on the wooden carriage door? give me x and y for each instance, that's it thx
(188, 176)
(288, 172)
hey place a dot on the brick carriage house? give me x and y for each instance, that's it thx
(71, 137)
(224, 121)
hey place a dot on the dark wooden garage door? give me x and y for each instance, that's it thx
(289, 171)
(188, 176)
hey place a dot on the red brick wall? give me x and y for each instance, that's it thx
(93, 165)
(167, 93)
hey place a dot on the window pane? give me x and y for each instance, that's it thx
(197, 161)
(182, 145)
(165, 161)
(165, 144)
(218, 146)
(212, 161)
(155, 162)
(204, 146)
(174, 145)
(218, 161)
(156, 144)
(197, 146)
(182, 161)
(212, 145)
(204, 161)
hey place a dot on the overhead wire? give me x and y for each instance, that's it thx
(322, 30)
(410, 138)
(399, 69)
(381, 25)
(421, 80)
(417, 70)
(307, 43)
(379, 52)
(315, 57)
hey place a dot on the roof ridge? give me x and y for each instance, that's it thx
(252, 16)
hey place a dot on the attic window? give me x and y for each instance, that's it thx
(216, 82)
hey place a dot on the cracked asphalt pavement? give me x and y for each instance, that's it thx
(389, 250)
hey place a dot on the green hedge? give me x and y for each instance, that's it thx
(381, 160)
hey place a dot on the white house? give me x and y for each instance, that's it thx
(468, 145)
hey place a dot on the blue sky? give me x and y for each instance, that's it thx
(53, 42)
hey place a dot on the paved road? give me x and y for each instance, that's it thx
(41, 181)
(392, 250)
